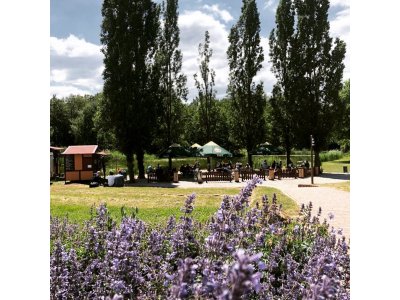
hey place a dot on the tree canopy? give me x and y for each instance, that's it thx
(129, 37)
(245, 56)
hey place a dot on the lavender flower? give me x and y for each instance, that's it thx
(243, 252)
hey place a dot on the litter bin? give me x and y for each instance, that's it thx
(176, 178)
(271, 174)
(345, 169)
(316, 171)
(236, 175)
(301, 173)
(199, 177)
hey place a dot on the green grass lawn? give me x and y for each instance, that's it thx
(343, 186)
(336, 166)
(154, 204)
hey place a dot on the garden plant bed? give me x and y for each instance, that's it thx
(244, 252)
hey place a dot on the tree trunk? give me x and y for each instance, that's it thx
(249, 158)
(287, 155)
(140, 162)
(288, 152)
(170, 162)
(317, 160)
(129, 162)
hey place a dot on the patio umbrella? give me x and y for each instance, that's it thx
(212, 149)
(195, 145)
(174, 150)
(195, 150)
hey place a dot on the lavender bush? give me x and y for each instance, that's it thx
(241, 253)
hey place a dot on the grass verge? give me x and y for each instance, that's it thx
(336, 166)
(343, 186)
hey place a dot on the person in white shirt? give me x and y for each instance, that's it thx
(110, 179)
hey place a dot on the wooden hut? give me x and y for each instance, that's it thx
(80, 162)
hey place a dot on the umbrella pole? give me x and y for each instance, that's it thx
(170, 162)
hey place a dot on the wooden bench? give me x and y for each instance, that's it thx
(217, 176)
(293, 173)
(152, 177)
(278, 174)
(248, 175)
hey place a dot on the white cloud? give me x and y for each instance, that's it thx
(222, 13)
(343, 3)
(76, 67)
(271, 5)
(340, 27)
(73, 47)
(192, 25)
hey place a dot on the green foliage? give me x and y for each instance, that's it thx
(129, 36)
(330, 155)
(282, 50)
(342, 132)
(74, 121)
(309, 69)
(320, 74)
(245, 57)
(83, 126)
(172, 82)
(60, 126)
(205, 85)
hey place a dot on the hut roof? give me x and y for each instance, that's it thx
(84, 149)
(52, 148)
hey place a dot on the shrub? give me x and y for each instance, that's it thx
(330, 155)
(241, 253)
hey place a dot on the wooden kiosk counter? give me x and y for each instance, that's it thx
(80, 162)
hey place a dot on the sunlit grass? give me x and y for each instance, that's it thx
(343, 186)
(336, 166)
(154, 204)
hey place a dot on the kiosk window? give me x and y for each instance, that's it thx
(87, 163)
(69, 163)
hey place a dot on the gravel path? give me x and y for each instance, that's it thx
(331, 200)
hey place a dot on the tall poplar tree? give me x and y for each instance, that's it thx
(245, 57)
(205, 85)
(172, 81)
(319, 76)
(129, 35)
(282, 54)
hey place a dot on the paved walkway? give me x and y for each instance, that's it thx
(329, 199)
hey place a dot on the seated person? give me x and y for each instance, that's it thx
(119, 180)
(273, 164)
(264, 165)
(149, 169)
(238, 165)
(96, 177)
(290, 165)
(96, 180)
(110, 179)
(307, 164)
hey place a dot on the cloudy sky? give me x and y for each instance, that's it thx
(77, 63)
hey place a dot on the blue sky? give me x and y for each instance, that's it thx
(76, 60)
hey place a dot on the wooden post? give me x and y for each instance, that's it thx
(312, 164)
